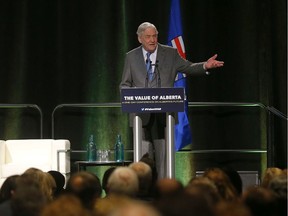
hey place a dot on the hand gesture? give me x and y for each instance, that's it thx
(213, 63)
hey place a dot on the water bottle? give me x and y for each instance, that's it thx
(91, 149)
(119, 149)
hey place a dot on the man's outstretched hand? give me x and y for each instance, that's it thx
(213, 63)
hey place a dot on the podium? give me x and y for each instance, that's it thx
(154, 100)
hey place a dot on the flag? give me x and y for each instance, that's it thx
(183, 135)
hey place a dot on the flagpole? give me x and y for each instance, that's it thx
(183, 135)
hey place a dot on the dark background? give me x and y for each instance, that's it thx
(72, 51)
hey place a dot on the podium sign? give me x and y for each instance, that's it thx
(152, 100)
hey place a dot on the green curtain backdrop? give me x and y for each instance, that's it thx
(72, 51)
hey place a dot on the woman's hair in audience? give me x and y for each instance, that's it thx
(279, 186)
(204, 185)
(269, 174)
(46, 181)
(29, 198)
(65, 205)
(224, 186)
(8, 187)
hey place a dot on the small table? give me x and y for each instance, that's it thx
(81, 165)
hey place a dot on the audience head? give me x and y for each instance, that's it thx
(59, 179)
(167, 187)
(105, 178)
(86, 186)
(8, 188)
(110, 203)
(65, 205)
(29, 198)
(279, 186)
(46, 181)
(224, 186)
(269, 174)
(123, 180)
(146, 159)
(184, 204)
(261, 201)
(134, 208)
(204, 186)
(225, 208)
(234, 178)
(144, 174)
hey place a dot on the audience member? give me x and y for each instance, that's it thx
(123, 180)
(184, 204)
(261, 201)
(46, 181)
(5, 208)
(34, 189)
(146, 159)
(29, 198)
(109, 204)
(86, 186)
(65, 205)
(8, 187)
(105, 178)
(269, 174)
(225, 208)
(122, 187)
(279, 186)
(167, 187)
(224, 186)
(135, 208)
(234, 178)
(144, 174)
(205, 186)
(59, 179)
(127, 190)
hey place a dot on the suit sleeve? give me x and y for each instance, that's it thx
(126, 81)
(187, 67)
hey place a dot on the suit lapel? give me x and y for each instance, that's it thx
(160, 56)
(140, 60)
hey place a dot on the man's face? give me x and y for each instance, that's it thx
(149, 39)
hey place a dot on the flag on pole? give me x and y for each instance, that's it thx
(183, 135)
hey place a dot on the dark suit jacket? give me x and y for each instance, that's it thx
(169, 64)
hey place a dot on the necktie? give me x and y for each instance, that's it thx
(149, 66)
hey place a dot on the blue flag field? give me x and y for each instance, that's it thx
(183, 135)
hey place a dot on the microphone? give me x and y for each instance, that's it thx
(158, 74)
(147, 74)
(146, 80)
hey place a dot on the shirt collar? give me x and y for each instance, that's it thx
(153, 55)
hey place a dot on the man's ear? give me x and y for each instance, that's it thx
(139, 39)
